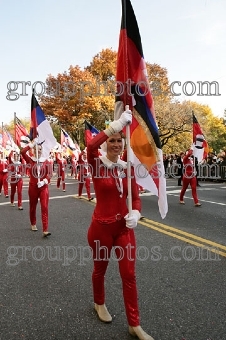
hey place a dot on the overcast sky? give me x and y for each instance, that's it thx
(39, 38)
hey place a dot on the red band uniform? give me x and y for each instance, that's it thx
(16, 180)
(83, 174)
(4, 175)
(108, 228)
(42, 170)
(61, 168)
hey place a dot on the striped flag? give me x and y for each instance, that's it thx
(133, 89)
(20, 131)
(40, 127)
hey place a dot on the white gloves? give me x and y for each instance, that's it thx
(5, 170)
(33, 143)
(131, 221)
(118, 125)
(41, 183)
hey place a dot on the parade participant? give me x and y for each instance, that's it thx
(73, 162)
(4, 174)
(40, 175)
(111, 224)
(189, 177)
(84, 175)
(180, 169)
(61, 168)
(15, 178)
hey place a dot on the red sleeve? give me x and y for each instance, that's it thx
(24, 154)
(93, 146)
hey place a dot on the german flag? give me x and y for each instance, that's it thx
(133, 89)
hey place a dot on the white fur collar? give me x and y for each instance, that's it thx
(109, 164)
(40, 160)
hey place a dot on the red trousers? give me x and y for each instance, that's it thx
(193, 183)
(16, 185)
(102, 237)
(62, 177)
(4, 183)
(36, 193)
(87, 185)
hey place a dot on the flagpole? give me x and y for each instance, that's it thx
(15, 127)
(126, 102)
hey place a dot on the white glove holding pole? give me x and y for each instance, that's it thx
(33, 143)
(132, 219)
(119, 124)
(42, 183)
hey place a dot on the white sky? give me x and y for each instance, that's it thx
(44, 37)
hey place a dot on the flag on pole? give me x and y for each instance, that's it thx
(41, 128)
(133, 89)
(200, 145)
(90, 132)
(67, 141)
(20, 131)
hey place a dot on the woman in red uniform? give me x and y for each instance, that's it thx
(61, 168)
(84, 175)
(189, 177)
(40, 175)
(15, 178)
(4, 174)
(111, 224)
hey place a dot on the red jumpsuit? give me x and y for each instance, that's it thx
(83, 176)
(189, 177)
(16, 181)
(61, 168)
(108, 229)
(73, 165)
(4, 176)
(36, 193)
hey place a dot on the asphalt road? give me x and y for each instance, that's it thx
(45, 283)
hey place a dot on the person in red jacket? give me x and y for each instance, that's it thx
(189, 177)
(61, 168)
(15, 178)
(84, 175)
(112, 225)
(4, 174)
(40, 175)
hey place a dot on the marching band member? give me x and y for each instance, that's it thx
(111, 224)
(4, 173)
(15, 175)
(40, 175)
(61, 168)
(84, 175)
(189, 177)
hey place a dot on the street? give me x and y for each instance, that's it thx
(46, 291)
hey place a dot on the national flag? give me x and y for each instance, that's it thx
(40, 127)
(20, 131)
(133, 89)
(90, 132)
(66, 140)
(200, 145)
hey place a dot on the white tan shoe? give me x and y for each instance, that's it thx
(103, 313)
(140, 333)
(34, 228)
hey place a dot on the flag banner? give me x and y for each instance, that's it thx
(90, 132)
(41, 128)
(20, 131)
(133, 89)
(8, 142)
(200, 145)
(66, 141)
